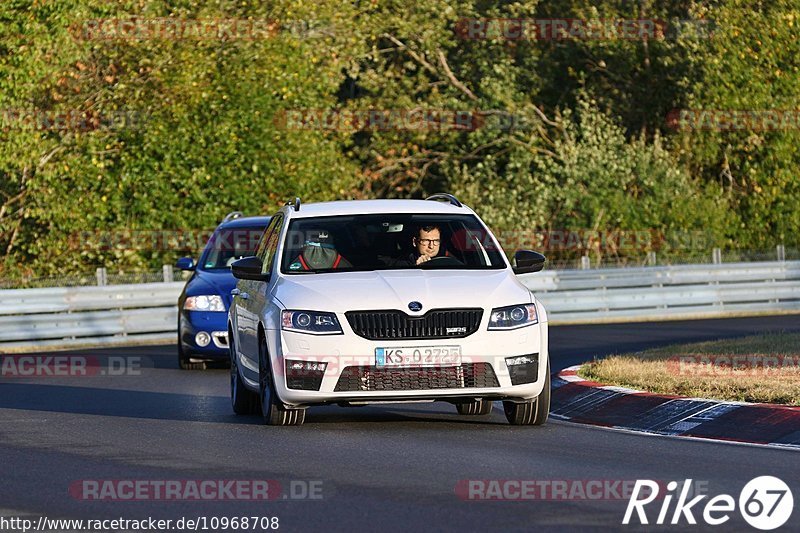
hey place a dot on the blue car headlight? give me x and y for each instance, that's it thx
(311, 322)
(513, 317)
(212, 302)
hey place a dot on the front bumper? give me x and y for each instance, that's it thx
(351, 374)
(213, 323)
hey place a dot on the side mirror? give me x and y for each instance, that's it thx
(185, 263)
(249, 268)
(528, 261)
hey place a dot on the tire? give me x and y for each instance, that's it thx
(533, 412)
(183, 360)
(273, 411)
(476, 407)
(243, 401)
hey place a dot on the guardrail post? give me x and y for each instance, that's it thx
(168, 274)
(716, 256)
(651, 258)
(102, 277)
(781, 253)
(585, 263)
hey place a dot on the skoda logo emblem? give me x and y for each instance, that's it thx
(415, 306)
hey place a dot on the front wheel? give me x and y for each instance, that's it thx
(273, 411)
(533, 412)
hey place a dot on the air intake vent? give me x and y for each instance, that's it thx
(435, 324)
(371, 378)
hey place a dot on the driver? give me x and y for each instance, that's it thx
(427, 244)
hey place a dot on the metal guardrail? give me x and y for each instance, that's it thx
(147, 312)
(668, 292)
(73, 316)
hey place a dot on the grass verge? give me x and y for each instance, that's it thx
(759, 368)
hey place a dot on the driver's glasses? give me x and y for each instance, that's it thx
(430, 242)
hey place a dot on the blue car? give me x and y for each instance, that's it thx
(204, 302)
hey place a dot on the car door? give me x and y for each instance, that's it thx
(246, 321)
(260, 299)
(253, 293)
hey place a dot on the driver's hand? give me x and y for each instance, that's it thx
(421, 259)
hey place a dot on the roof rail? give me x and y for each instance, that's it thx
(295, 204)
(233, 215)
(444, 196)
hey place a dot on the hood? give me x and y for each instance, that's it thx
(394, 289)
(212, 282)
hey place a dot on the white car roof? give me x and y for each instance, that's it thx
(368, 207)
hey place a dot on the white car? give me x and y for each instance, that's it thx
(355, 302)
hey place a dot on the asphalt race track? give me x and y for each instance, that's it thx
(378, 468)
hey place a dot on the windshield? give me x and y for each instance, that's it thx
(388, 241)
(228, 245)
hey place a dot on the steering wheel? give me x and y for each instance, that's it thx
(441, 261)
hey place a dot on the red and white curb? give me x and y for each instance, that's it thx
(579, 400)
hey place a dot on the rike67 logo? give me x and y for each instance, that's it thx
(765, 503)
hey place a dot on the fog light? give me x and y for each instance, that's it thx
(523, 368)
(521, 360)
(304, 375)
(202, 339)
(312, 366)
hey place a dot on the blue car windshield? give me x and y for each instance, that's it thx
(388, 241)
(227, 245)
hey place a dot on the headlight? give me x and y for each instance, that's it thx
(312, 322)
(204, 303)
(513, 316)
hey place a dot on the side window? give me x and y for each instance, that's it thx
(263, 240)
(269, 243)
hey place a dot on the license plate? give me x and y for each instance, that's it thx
(418, 356)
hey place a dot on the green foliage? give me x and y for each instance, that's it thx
(751, 65)
(591, 177)
(197, 139)
(172, 134)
